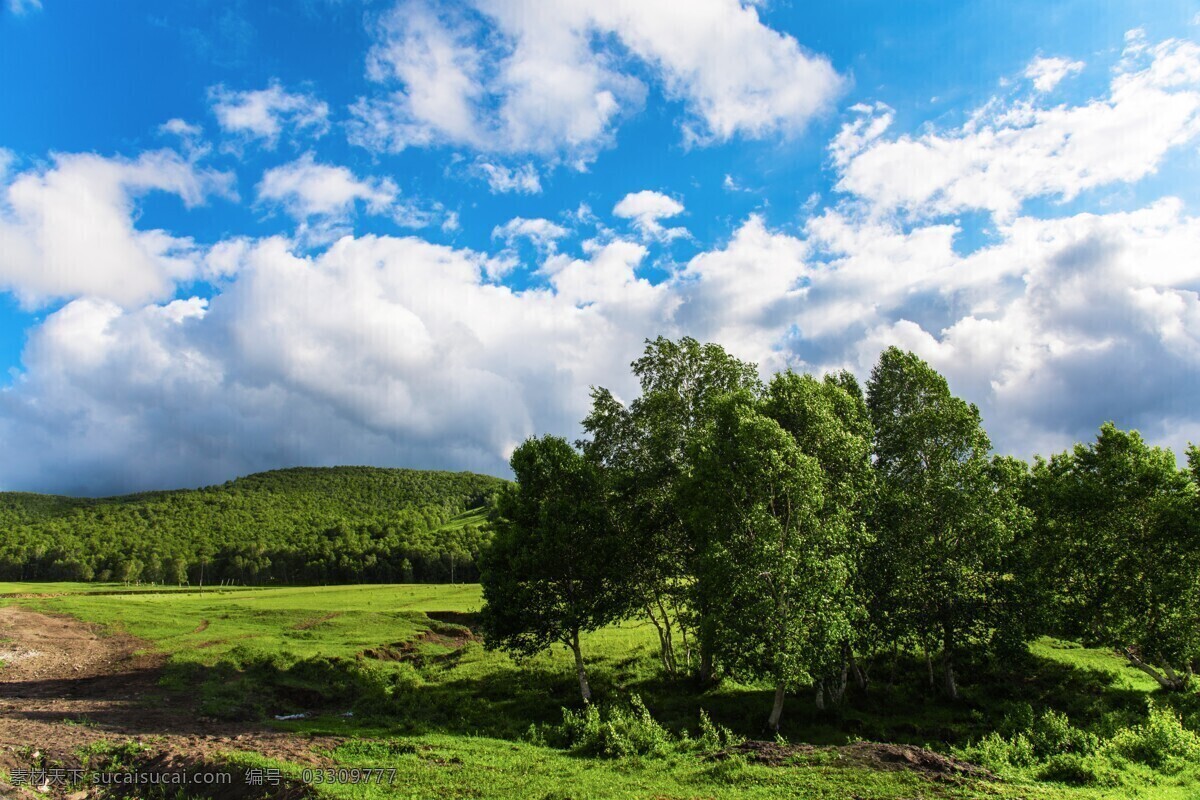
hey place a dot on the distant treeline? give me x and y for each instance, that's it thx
(304, 525)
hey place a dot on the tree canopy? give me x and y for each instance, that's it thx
(304, 525)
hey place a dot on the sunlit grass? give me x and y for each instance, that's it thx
(463, 711)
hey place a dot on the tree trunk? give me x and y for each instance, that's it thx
(820, 685)
(706, 658)
(584, 690)
(948, 665)
(1171, 682)
(668, 642)
(777, 709)
(860, 677)
(662, 640)
(929, 666)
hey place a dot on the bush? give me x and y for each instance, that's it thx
(996, 752)
(1053, 735)
(1080, 770)
(715, 737)
(617, 732)
(1160, 742)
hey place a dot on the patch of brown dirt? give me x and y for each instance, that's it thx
(452, 636)
(315, 621)
(460, 618)
(75, 686)
(202, 627)
(874, 755)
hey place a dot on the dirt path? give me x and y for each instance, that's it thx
(65, 684)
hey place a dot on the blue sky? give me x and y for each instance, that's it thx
(236, 236)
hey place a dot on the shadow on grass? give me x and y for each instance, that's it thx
(451, 685)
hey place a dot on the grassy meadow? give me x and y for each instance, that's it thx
(396, 669)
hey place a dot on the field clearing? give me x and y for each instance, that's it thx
(391, 676)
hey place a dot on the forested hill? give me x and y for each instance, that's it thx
(302, 525)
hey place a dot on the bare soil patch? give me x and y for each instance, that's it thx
(75, 685)
(443, 632)
(315, 621)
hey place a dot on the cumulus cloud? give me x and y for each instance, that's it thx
(383, 350)
(541, 233)
(398, 351)
(306, 188)
(395, 350)
(68, 229)
(1046, 73)
(555, 79)
(503, 180)
(266, 114)
(323, 199)
(1011, 151)
(646, 209)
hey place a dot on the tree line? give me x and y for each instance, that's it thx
(802, 530)
(303, 525)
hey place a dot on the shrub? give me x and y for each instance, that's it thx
(1080, 770)
(715, 737)
(1053, 734)
(617, 732)
(1160, 742)
(997, 753)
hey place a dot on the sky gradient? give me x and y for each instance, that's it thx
(239, 236)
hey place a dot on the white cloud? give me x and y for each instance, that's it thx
(1008, 152)
(394, 350)
(68, 229)
(21, 7)
(646, 209)
(502, 180)
(181, 128)
(306, 188)
(555, 79)
(542, 233)
(397, 351)
(1046, 73)
(266, 114)
(323, 199)
(378, 350)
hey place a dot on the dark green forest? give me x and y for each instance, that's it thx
(302, 525)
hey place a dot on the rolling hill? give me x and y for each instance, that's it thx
(301, 525)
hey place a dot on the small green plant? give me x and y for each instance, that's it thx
(1053, 734)
(1080, 770)
(616, 732)
(374, 750)
(1160, 742)
(715, 737)
(111, 756)
(729, 769)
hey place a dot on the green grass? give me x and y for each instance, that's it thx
(1121, 674)
(69, 587)
(461, 715)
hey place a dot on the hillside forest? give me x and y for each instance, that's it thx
(291, 526)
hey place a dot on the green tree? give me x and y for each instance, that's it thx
(645, 451)
(1118, 543)
(555, 566)
(945, 518)
(829, 421)
(774, 569)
